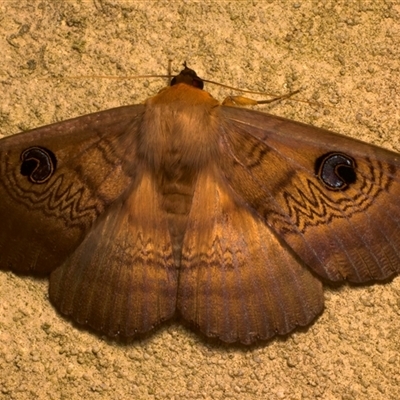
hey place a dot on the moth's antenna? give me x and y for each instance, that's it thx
(245, 101)
(114, 77)
(239, 90)
(239, 99)
(278, 98)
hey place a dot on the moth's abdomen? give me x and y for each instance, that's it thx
(177, 193)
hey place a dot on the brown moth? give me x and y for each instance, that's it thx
(182, 205)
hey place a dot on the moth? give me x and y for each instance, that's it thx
(227, 217)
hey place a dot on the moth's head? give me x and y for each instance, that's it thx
(189, 77)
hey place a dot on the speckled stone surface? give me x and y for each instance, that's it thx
(342, 54)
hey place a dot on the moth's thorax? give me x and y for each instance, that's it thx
(179, 127)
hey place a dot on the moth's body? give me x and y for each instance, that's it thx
(183, 141)
(184, 205)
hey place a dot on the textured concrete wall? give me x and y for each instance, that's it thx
(342, 54)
